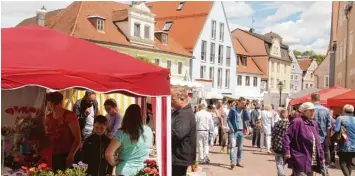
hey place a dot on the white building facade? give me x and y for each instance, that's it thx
(248, 86)
(214, 55)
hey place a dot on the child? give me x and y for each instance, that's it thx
(278, 133)
(93, 151)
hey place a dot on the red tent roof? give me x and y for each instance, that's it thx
(324, 95)
(342, 99)
(35, 55)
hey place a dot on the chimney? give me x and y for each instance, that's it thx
(41, 16)
(252, 30)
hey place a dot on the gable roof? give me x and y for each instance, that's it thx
(73, 21)
(187, 23)
(251, 66)
(304, 63)
(267, 38)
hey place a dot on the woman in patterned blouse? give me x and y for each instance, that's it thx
(278, 133)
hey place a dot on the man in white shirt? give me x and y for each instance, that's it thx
(204, 125)
(225, 127)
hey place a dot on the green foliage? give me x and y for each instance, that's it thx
(145, 60)
(318, 57)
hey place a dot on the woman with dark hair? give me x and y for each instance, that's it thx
(113, 116)
(62, 127)
(133, 141)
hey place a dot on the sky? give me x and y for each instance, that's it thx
(303, 25)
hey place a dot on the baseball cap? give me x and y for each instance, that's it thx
(306, 106)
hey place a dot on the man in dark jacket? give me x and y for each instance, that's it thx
(183, 132)
(86, 109)
(93, 151)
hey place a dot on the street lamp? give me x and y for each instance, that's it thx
(280, 86)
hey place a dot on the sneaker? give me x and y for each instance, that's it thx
(232, 166)
(240, 165)
(268, 151)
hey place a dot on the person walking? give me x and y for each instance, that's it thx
(302, 143)
(238, 118)
(277, 136)
(267, 121)
(183, 132)
(256, 125)
(225, 127)
(220, 112)
(347, 147)
(204, 125)
(323, 118)
(216, 124)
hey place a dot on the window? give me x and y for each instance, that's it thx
(168, 64)
(203, 50)
(212, 52)
(306, 86)
(278, 67)
(310, 85)
(275, 65)
(221, 31)
(351, 42)
(228, 57)
(326, 81)
(100, 25)
(244, 61)
(239, 80)
(255, 81)
(202, 71)
(167, 26)
(247, 81)
(285, 68)
(227, 81)
(179, 68)
(238, 57)
(293, 66)
(146, 32)
(220, 54)
(181, 5)
(213, 32)
(296, 77)
(137, 30)
(291, 87)
(284, 86)
(291, 77)
(219, 81)
(296, 88)
(212, 75)
(164, 38)
(157, 61)
(272, 67)
(277, 82)
(272, 83)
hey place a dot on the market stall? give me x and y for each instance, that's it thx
(324, 95)
(342, 99)
(38, 58)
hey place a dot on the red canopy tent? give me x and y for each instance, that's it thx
(37, 56)
(342, 99)
(324, 95)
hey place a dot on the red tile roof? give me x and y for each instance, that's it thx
(187, 22)
(304, 63)
(73, 20)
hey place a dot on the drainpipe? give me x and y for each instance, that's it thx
(346, 44)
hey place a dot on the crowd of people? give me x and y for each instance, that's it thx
(306, 138)
(102, 142)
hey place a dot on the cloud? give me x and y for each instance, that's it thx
(302, 25)
(236, 10)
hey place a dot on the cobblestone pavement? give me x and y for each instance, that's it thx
(255, 164)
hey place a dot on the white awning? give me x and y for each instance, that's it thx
(190, 84)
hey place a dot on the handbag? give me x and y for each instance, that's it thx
(340, 137)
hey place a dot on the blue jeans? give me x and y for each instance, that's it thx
(280, 163)
(236, 137)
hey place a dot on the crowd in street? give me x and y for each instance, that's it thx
(306, 139)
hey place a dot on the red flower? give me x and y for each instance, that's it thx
(10, 111)
(42, 166)
(147, 170)
(154, 171)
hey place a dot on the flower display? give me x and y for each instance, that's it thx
(43, 170)
(150, 169)
(7, 131)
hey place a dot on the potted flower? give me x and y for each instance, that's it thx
(150, 169)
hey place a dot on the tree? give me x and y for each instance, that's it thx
(311, 54)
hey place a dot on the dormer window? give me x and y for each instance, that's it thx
(164, 38)
(181, 5)
(98, 22)
(167, 26)
(100, 25)
(137, 29)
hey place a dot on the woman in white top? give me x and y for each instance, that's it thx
(267, 120)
